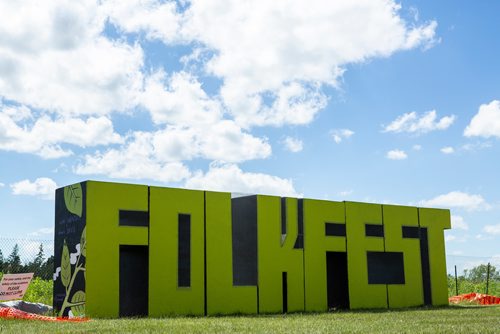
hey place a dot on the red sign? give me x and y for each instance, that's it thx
(14, 286)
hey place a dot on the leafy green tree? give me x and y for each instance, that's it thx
(47, 268)
(14, 264)
(1, 261)
(478, 274)
(36, 265)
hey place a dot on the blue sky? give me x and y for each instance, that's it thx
(378, 101)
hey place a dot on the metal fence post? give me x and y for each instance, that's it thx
(456, 281)
(487, 277)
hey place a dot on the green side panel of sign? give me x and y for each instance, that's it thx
(436, 221)
(104, 236)
(276, 255)
(411, 293)
(166, 297)
(361, 294)
(316, 244)
(222, 296)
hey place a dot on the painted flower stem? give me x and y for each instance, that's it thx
(66, 303)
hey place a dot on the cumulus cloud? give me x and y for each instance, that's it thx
(42, 187)
(413, 123)
(53, 57)
(275, 52)
(224, 141)
(492, 229)
(486, 123)
(346, 193)
(179, 99)
(447, 150)
(2, 184)
(158, 20)
(293, 144)
(340, 134)
(417, 147)
(42, 232)
(230, 178)
(195, 126)
(458, 199)
(396, 155)
(457, 222)
(272, 74)
(449, 238)
(135, 160)
(44, 136)
(64, 77)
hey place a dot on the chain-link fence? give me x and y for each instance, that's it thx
(27, 255)
(473, 274)
(465, 273)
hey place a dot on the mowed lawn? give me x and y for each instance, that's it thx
(453, 319)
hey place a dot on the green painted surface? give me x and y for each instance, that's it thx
(362, 294)
(316, 244)
(411, 293)
(277, 255)
(165, 296)
(437, 221)
(222, 296)
(104, 237)
(211, 222)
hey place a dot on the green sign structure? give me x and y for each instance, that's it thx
(136, 250)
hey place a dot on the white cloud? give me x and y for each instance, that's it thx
(261, 53)
(275, 57)
(230, 178)
(195, 124)
(449, 238)
(340, 134)
(492, 229)
(458, 199)
(461, 239)
(42, 187)
(293, 144)
(483, 237)
(44, 136)
(135, 160)
(346, 193)
(158, 155)
(457, 222)
(63, 77)
(476, 146)
(486, 123)
(417, 147)
(413, 123)
(42, 232)
(223, 141)
(54, 57)
(456, 252)
(396, 155)
(447, 150)
(179, 100)
(2, 184)
(158, 20)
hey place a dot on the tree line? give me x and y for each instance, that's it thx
(40, 266)
(476, 279)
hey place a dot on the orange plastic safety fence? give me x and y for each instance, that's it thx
(474, 297)
(12, 313)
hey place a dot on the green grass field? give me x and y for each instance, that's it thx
(453, 319)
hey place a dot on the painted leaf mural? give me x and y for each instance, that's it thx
(78, 298)
(83, 243)
(65, 265)
(73, 199)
